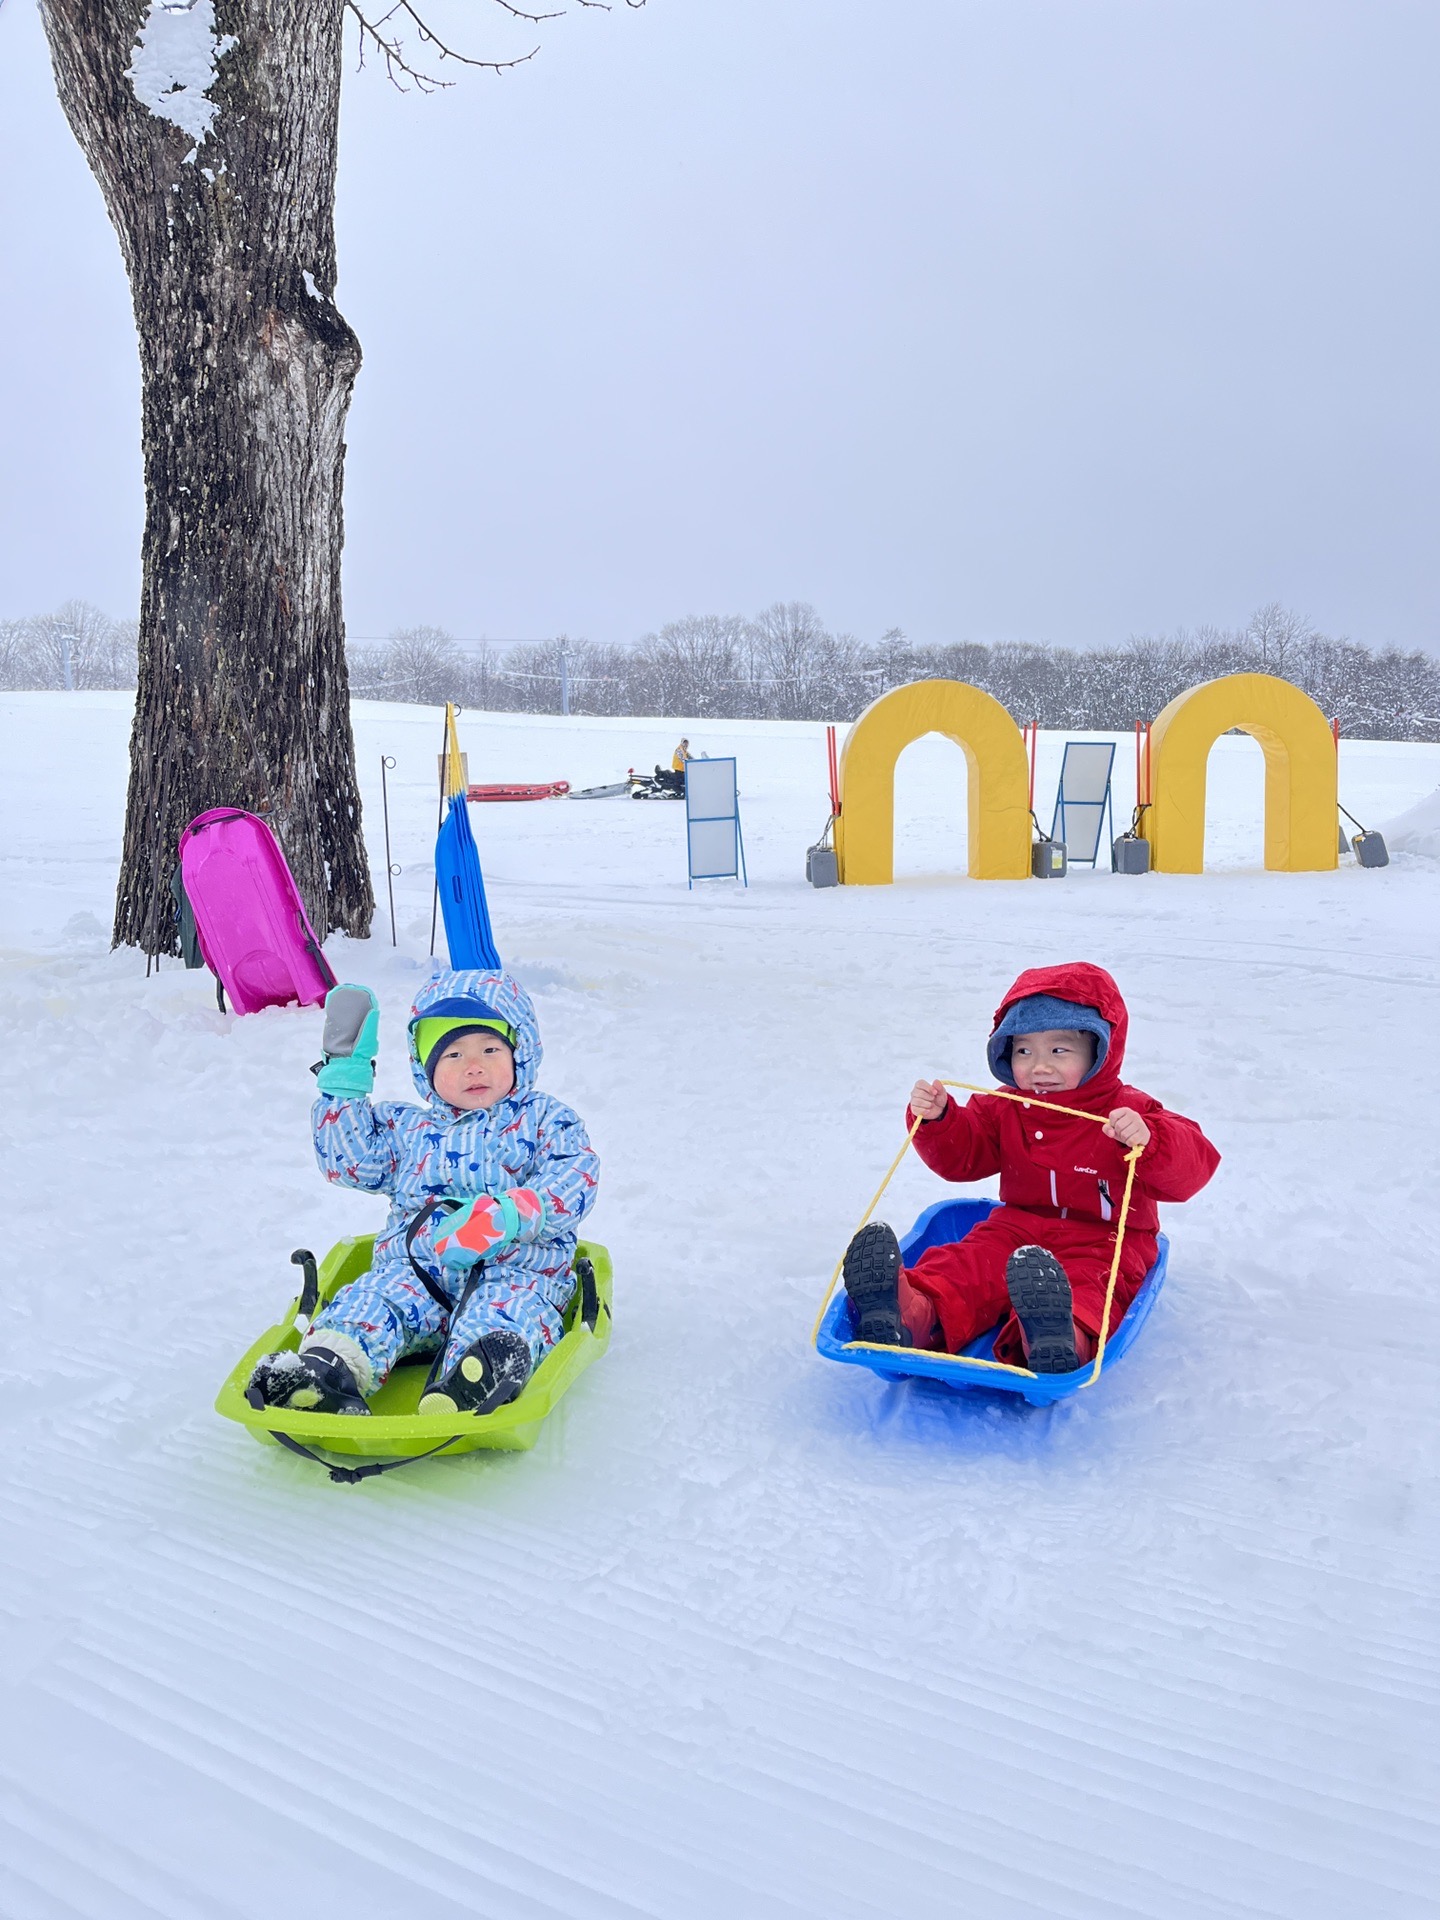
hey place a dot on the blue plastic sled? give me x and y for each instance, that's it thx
(941, 1225)
(468, 933)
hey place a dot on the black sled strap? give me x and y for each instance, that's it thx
(442, 1300)
(351, 1476)
(346, 1476)
(307, 940)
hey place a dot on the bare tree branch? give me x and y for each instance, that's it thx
(534, 18)
(391, 48)
(376, 31)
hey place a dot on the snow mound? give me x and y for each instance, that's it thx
(1417, 830)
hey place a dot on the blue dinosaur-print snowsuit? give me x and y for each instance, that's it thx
(424, 1153)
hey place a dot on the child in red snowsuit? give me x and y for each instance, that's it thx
(1038, 1266)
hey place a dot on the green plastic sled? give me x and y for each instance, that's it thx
(394, 1429)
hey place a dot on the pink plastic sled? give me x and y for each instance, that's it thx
(255, 935)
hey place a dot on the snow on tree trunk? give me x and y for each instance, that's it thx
(211, 129)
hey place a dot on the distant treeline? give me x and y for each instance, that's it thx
(785, 664)
(75, 646)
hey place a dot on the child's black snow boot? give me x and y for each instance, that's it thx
(1039, 1290)
(315, 1381)
(489, 1374)
(872, 1280)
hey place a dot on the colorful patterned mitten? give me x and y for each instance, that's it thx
(485, 1225)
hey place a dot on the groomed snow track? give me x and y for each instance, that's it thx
(746, 1636)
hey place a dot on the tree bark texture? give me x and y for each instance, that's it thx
(248, 368)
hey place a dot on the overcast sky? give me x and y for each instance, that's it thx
(1035, 319)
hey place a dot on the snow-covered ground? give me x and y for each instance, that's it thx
(747, 1635)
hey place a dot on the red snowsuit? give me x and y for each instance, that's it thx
(1061, 1181)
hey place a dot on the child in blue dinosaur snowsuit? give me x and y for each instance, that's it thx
(488, 1182)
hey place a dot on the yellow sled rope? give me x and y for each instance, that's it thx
(999, 1366)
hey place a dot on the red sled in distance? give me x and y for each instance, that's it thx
(539, 790)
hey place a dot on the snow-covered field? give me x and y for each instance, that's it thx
(747, 1635)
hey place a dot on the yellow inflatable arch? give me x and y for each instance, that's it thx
(1300, 773)
(998, 786)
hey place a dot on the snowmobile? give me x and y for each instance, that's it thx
(393, 1433)
(663, 784)
(666, 783)
(941, 1225)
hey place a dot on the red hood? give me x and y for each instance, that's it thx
(1087, 986)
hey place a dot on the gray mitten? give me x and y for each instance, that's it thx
(352, 1040)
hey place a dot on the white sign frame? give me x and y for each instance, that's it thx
(1092, 802)
(714, 843)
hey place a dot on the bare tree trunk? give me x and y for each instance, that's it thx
(248, 368)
